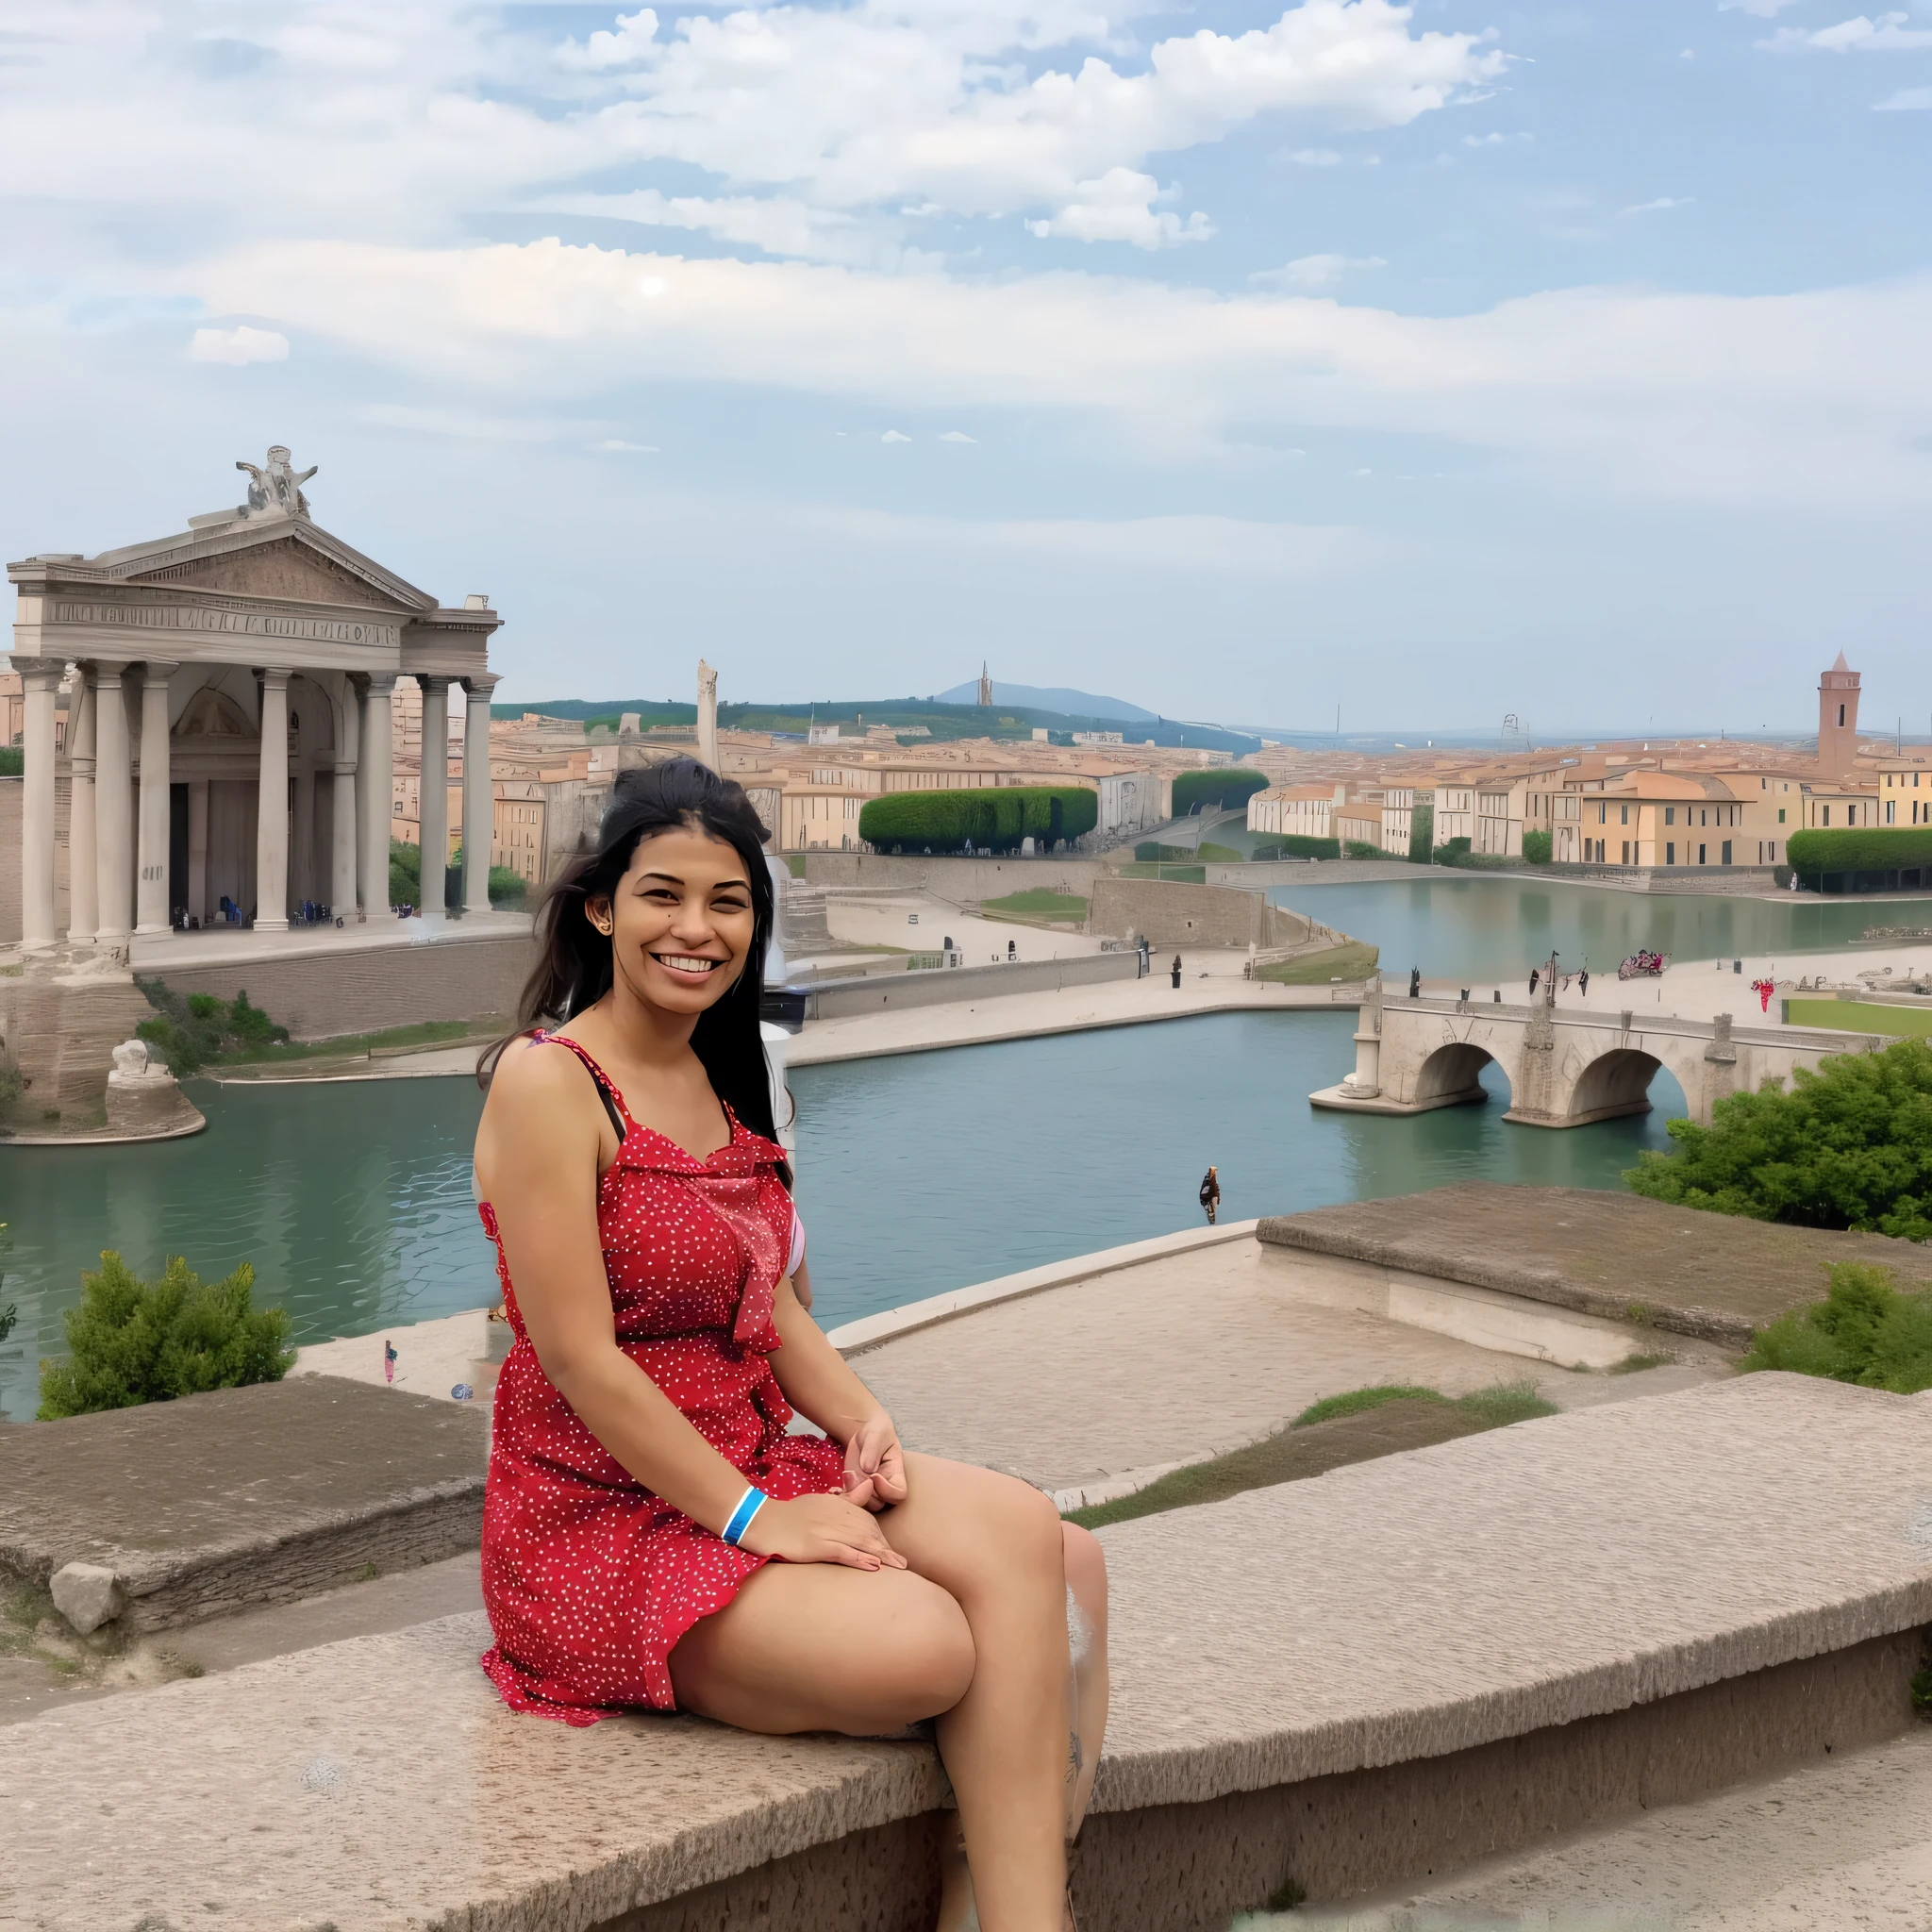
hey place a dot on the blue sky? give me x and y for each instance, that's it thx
(1434, 363)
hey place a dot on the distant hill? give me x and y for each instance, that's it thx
(1077, 704)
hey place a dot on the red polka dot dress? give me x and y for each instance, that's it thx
(588, 1578)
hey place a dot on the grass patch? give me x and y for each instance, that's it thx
(1864, 1332)
(1331, 1434)
(1182, 875)
(1358, 1401)
(1355, 960)
(1038, 902)
(354, 1045)
(1217, 854)
(1631, 1364)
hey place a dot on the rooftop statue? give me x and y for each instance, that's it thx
(274, 486)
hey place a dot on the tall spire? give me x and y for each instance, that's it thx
(985, 684)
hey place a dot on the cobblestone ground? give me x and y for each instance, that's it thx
(1843, 1845)
(1169, 1362)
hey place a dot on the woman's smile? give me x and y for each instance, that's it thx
(687, 966)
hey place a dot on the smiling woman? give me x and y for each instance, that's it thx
(654, 1532)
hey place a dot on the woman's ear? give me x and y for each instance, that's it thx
(597, 910)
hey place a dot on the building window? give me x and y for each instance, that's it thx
(1624, 811)
(1824, 815)
(1627, 852)
(1840, 716)
(1670, 854)
(1780, 814)
(1700, 855)
(1892, 811)
(1670, 814)
(1725, 858)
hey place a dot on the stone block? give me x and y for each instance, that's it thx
(86, 1595)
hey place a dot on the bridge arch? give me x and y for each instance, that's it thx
(1613, 1084)
(1452, 1074)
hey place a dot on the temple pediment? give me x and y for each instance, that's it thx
(284, 566)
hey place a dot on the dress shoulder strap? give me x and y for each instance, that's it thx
(607, 1090)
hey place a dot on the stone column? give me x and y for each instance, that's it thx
(83, 863)
(707, 715)
(301, 841)
(480, 795)
(376, 793)
(113, 809)
(39, 680)
(197, 849)
(271, 808)
(151, 893)
(432, 799)
(342, 870)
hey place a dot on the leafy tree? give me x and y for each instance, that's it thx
(189, 1033)
(131, 1341)
(1422, 832)
(994, 816)
(1226, 788)
(1866, 848)
(1864, 1331)
(1849, 1146)
(1535, 848)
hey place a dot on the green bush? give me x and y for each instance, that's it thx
(1225, 789)
(1422, 830)
(1849, 1146)
(405, 874)
(12, 761)
(131, 1341)
(508, 887)
(1537, 847)
(1297, 845)
(998, 817)
(187, 1033)
(1220, 855)
(1864, 1331)
(1449, 853)
(1361, 848)
(1871, 849)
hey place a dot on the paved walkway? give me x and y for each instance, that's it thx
(1108, 1381)
(1210, 983)
(1844, 1842)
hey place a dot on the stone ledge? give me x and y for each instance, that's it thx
(242, 1495)
(1766, 1543)
(1714, 1276)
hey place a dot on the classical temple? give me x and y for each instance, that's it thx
(228, 738)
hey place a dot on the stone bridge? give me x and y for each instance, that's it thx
(1565, 1067)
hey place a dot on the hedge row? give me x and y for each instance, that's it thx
(1870, 850)
(994, 817)
(1225, 789)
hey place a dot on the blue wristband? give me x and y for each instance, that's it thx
(748, 1506)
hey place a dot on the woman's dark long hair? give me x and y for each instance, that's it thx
(574, 965)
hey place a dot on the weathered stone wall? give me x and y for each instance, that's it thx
(335, 990)
(63, 1033)
(940, 986)
(1172, 914)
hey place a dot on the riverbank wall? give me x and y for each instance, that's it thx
(1168, 913)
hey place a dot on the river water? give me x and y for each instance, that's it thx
(918, 1173)
(1481, 930)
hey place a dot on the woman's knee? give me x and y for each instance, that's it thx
(1086, 1567)
(924, 1663)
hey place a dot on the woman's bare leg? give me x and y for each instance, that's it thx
(1086, 1568)
(976, 1629)
(819, 1647)
(994, 1545)
(1086, 1565)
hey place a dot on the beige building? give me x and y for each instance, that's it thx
(1303, 812)
(1662, 818)
(1486, 808)
(1905, 791)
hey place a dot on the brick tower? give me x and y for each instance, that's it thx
(1837, 718)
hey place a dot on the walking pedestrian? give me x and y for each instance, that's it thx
(1177, 972)
(1211, 1193)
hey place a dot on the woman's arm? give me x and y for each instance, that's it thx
(821, 1386)
(538, 1151)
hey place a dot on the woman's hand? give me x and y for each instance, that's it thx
(875, 1464)
(819, 1529)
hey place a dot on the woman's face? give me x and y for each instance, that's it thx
(680, 920)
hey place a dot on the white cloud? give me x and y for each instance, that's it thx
(615, 445)
(827, 129)
(1494, 140)
(957, 436)
(1314, 270)
(1663, 202)
(893, 436)
(1906, 100)
(1888, 34)
(1118, 208)
(1795, 398)
(238, 345)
